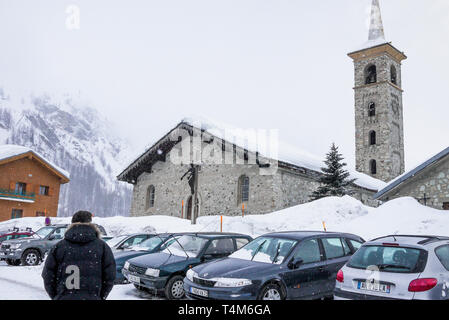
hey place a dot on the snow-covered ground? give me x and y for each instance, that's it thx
(400, 216)
(346, 214)
(25, 283)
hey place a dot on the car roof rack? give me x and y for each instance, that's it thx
(428, 239)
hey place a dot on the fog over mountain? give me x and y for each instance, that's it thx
(73, 135)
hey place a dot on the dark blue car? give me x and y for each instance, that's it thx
(164, 271)
(276, 266)
(153, 243)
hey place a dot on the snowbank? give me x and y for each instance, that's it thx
(346, 214)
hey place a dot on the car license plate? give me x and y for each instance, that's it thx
(133, 279)
(376, 287)
(199, 292)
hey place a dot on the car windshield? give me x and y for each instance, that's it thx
(186, 246)
(112, 242)
(265, 249)
(149, 244)
(387, 259)
(43, 232)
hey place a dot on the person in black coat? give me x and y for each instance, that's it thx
(81, 266)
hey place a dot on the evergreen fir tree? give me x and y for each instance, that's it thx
(335, 180)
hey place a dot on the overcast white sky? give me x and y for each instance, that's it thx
(270, 64)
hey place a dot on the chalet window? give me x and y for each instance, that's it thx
(16, 213)
(44, 190)
(394, 76)
(150, 196)
(371, 74)
(40, 214)
(21, 188)
(372, 109)
(373, 166)
(372, 138)
(243, 189)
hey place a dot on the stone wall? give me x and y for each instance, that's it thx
(218, 190)
(434, 183)
(387, 123)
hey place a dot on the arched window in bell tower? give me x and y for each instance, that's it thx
(373, 166)
(371, 74)
(372, 109)
(372, 138)
(393, 75)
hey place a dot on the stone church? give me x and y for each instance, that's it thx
(242, 179)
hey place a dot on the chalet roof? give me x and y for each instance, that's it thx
(9, 152)
(396, 183)
(288, 156)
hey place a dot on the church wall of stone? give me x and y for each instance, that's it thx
(432, 184)
(218, 190)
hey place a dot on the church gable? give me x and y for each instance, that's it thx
(428, 183)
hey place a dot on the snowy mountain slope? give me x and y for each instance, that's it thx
(346, 214)
(77, 138)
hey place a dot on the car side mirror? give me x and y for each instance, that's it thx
(295, 263)
(207, 257)
(52, 237)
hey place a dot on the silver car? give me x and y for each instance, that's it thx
(397, 267)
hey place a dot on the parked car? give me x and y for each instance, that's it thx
(397, 267)
(155, 243)
(124, 242)
(15, 235)
(275, 266)
(164, 271)
(9, 235)
(31, 250)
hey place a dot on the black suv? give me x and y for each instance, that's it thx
(276, 266)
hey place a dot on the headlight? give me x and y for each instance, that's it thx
(152, 272)
(15, 246)
(190, 274)
(231, 282)
(126, 266)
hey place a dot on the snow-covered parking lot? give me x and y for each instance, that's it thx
(25, 283)
(400, 216)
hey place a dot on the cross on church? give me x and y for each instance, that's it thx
(424, 199)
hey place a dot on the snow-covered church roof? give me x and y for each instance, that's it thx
(286, 153)
(9, 151)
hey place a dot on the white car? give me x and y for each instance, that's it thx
(397, 267)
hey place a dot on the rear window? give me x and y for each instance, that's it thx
(389, 259)
(241, 242)
(333, 248)
(355, 244)
(443, 254)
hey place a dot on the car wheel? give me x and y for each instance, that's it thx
(271, 291)
(31, 257)
(15, 262)
(138, 287)
(174, 290)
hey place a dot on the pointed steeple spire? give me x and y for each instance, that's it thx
(376, 29)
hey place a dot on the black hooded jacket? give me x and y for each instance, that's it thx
(81, 255)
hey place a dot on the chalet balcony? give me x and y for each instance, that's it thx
(12, 195)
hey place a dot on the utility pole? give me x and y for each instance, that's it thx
(195, 195)
(192, 178)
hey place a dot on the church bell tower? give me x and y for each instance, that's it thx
(379, 124)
